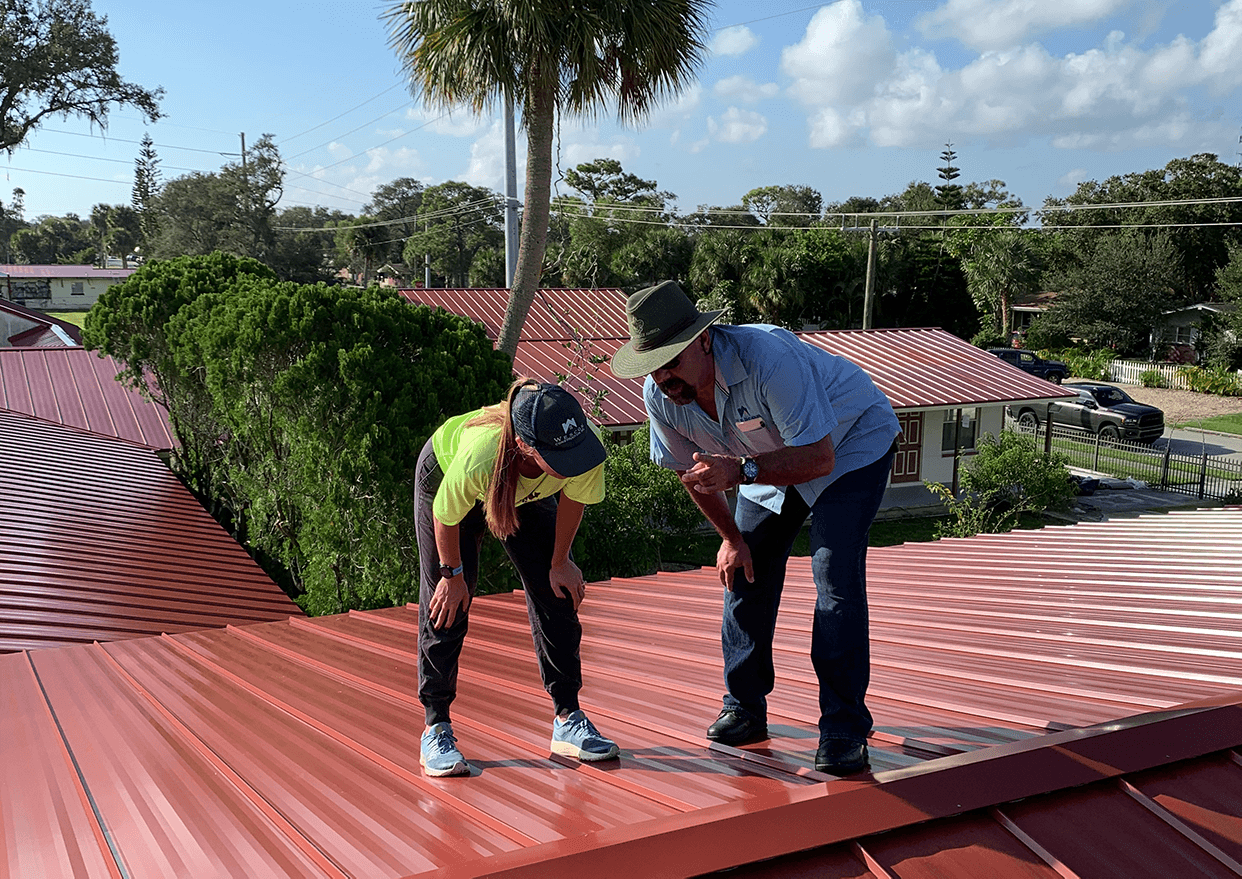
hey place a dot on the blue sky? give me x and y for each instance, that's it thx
(855, 97)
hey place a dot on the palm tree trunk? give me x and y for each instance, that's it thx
(533, 241)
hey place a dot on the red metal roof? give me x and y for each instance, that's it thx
(42, 333)
(556, 314)
(544, 359)
(101, 542)
(927, 368)
(64, 272)
(1027, 690)
(78, 388)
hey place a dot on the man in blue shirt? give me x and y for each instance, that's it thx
(798, 432)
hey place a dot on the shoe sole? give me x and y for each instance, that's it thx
(461, 768)
(567, 749)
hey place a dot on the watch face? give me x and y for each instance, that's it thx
(750, 469)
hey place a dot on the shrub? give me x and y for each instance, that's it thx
(989, 339)
(643, 505)
(1008, 477)
(1094, 365)
(1212, 380)
(1152, 378)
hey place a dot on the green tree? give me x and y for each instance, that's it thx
(305, 255)
(66, 240)
(397, 205)
(949, 195)
(1200, 230)
(784, 205)
(550, 58)
(147, 186)
(59, 59)
(1116, 293)
(458, 222)
(1000, 265)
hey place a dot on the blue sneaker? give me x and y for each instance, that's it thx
(439, 754)
(575, 736)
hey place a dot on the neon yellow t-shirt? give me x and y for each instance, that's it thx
(467, 456)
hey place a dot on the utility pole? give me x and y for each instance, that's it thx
(869, 290)
(246, 183)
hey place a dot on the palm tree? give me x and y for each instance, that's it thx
(548, 57)
(999, 266)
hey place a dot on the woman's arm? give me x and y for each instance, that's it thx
(451, 595)
(565, 576)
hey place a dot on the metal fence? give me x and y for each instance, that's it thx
(1201, 476)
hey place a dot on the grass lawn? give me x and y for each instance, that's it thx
(77, 318)
(1223, 423)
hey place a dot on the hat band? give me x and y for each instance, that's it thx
(660, 340)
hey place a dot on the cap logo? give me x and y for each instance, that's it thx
(568, 425)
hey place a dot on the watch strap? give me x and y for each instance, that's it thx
(449, 573)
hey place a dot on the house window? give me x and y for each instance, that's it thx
(961, 429)
(77, 289)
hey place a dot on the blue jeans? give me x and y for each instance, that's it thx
(840, 525)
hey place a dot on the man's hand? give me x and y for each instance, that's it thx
(712, 473)
(450, 597)
(734, 554)
(567, 582)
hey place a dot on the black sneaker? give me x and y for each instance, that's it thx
(737, 727)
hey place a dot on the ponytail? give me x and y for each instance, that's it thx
(499, 503)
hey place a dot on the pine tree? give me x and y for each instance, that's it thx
(146, 190)
(949, 194)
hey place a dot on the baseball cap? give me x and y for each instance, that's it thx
(549, 419)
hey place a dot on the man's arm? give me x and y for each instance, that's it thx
(791, 465)
(733, 552)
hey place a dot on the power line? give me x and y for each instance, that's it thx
(339, 115)
(162, 146)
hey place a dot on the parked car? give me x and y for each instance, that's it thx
(1099, 408)
(1052, 370)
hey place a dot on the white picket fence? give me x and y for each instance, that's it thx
(1127, 372)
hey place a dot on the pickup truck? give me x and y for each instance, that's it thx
(1051, 370)
(1098, 408)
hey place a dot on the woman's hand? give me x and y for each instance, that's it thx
(567, 582)
(450, 597)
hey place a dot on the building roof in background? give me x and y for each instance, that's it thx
(47, 331)
(101, 542)
(915, 368)
(66, 272)
(932, 368)
(555, 315)
(1030, 696)
(78, 388)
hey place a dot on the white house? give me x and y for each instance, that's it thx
(57, 288)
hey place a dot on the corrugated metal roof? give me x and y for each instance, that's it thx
(87, 272)
(78, 388)
(622, 406)
(69, 333)
(291, 748)
(556, 314)
(927, 368)
(101, 542)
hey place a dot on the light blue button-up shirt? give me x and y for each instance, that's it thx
(772, 391)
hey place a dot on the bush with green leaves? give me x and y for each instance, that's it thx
(1008, 478)
(318, 400)
(1211, 380)
(1085, 363)
(989, 338)
(644, 505)
(1152, 378)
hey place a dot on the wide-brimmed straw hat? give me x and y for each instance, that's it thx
(663, 322)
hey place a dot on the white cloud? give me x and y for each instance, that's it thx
(737, 126)
(856, 86)
(457, 122)
(842, 56)
(734, 41)
(744, 89)
(989, 24)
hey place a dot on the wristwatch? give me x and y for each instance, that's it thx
(448, 573)
(750, 470)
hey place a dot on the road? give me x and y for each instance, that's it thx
(1195, 442)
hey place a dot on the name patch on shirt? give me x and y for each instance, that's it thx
(750, 424)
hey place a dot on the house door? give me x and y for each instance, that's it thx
(908, 464)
